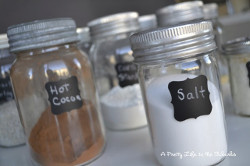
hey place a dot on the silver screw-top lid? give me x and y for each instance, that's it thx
(114, 24)
(237, 46)
(41, 33)
(180, 13)
(210, 11)
(147, 22)
(3, 41)
(173, 43)
(83, 34)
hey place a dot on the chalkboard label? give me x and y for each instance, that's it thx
(6, 92)
(126, 73)
(190, 98)
(248, 69)
(64, 95)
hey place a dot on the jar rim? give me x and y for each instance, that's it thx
(237, 46)
(173, 42)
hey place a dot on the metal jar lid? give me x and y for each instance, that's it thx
(210, 11)
(41, 33)
(173, 43)
(114, 24)
(180, 13)
(147, 22)
(237, 46)
(4, 41)
(84, 34)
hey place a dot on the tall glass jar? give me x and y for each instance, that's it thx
(181, 13)
(11, 130)
(115, 74)
(55, 93)
(237, 53)
(179, 80)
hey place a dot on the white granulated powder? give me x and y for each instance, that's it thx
(11, 131)
(240, 84)
(204, 135)
(123, 108)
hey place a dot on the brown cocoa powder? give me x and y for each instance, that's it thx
(67, 139)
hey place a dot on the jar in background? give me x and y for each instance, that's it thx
(181, 13)
(237, 53)
(11, 130)
(211, 14)
(84, 39)
(115, 72)
(55, 93)
(147, 22)
(181, 91)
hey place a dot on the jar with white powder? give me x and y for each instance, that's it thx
(179, 78)
(11, 130)
(115, 72)
(237, 53)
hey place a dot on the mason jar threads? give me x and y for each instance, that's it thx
(115, 74)
(237, 53)
(181, 91)
(84, 39)
(181, 13)
(55, 93)
(11, 130)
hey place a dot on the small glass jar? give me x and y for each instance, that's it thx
(11, 130)
(179, 14)
(115, 74)
(55, 93)
(237, 53)
(84, 39)
(179, 80)
(147, 22)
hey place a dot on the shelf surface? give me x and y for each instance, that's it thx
(134, 148)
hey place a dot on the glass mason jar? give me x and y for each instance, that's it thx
(179, 80)
(55, 93)
(11, 130)
(115, 74)
(84, 39)
(237, 53)
(181, 13)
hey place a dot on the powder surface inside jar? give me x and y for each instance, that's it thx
(70, 138)
(123, 108)
(203, 134)
(11, 130)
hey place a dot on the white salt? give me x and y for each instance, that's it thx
(123, 108)
(201, 135)
(11, 130)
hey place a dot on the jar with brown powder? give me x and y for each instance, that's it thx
(55, 93)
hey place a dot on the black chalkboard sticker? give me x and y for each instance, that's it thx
(248, 69)
(64, 95)
(190, 98)
(126, 73)
(6, 92)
